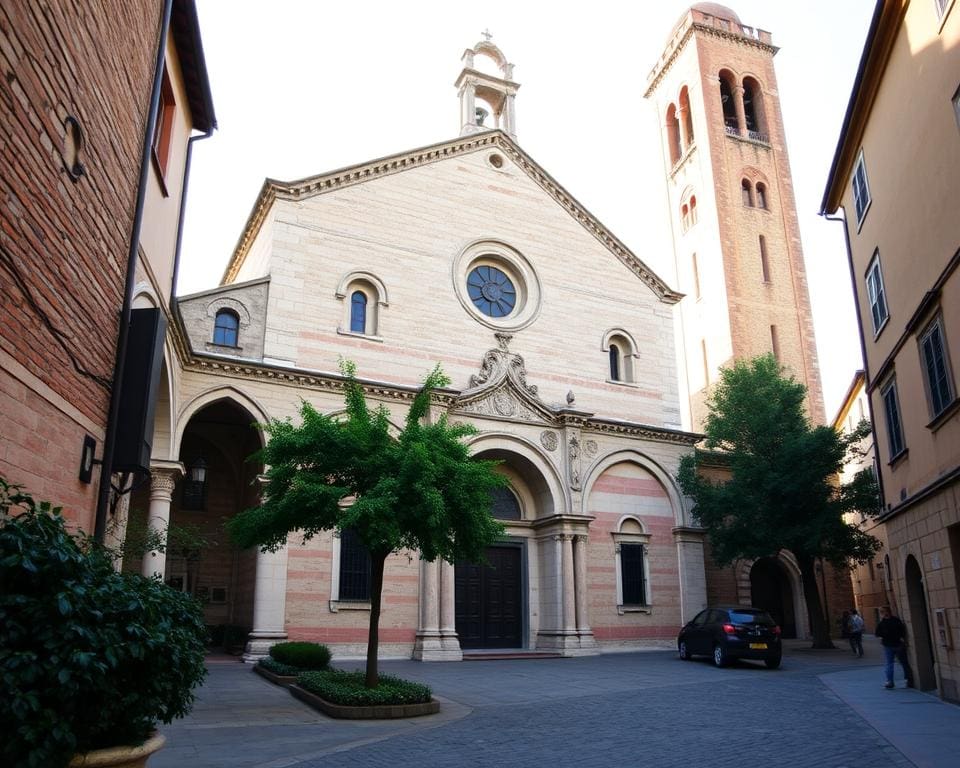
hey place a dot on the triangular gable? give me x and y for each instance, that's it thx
(357, 174)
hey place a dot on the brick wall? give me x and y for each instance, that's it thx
(64, 243)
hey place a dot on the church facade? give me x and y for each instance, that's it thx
(562, 349)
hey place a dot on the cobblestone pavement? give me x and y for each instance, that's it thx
(645, 709)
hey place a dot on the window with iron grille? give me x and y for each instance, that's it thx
(505, 505)
(936, 371)
(891, 407)
(632, 574)
(354, 567)
(358, 312)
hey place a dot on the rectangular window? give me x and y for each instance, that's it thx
(956, 105)
(774, 342)
(163, 130)
(696, 278)
(632, 574)
(876, 294)
(706, 367)
(861, 190)
(891, 408)
(937, 376)
(764, 262)
(354, 567)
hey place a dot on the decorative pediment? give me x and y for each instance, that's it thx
(500, 389)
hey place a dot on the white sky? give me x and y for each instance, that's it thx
(301, 88)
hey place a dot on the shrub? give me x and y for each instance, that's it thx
(88, 657)
(278, 668)
(302, 655)
(348, 689)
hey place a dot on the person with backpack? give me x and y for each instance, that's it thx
(855, 630)
(893, 635)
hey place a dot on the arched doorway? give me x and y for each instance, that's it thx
(220, 436)
(770, 589)
(919, 629)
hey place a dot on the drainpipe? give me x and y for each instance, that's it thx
(110, 439)
(863, 351)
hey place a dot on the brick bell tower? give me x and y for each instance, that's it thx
(736, 239)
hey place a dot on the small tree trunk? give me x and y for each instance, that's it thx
(811, 596)
(377, 563)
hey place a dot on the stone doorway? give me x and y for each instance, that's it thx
(489, 602)
(918, 631)
(770, 589)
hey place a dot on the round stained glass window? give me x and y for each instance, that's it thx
(491, 291)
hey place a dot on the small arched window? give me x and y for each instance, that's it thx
(747, 193)
(358, 312)
(761, 196)
(685, 217)
(686, 118)
(728, 104)
(693, 210)
(614, 362)
(753, 109)
(226, 328)
(673, 134)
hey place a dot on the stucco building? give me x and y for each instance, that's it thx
(895, 174)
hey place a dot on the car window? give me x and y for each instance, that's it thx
(717, 617)
(751, 617)
(700, 619)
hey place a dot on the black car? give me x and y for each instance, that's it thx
(731, 633)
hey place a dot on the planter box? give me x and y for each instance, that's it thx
(274, 678)
(119, 757)
(378, 712)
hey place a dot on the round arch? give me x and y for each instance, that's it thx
(791, 568)
(680, 514)
(212, 396)
(504, 443)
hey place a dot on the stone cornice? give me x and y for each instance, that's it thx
(644, 431)
(663, 66)
(273, 190)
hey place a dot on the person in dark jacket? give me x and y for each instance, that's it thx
(893, 635)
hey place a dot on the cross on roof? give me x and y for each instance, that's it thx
(486, 34)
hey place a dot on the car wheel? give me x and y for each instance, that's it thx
(719, 656)
(684, 651)
(773, 662)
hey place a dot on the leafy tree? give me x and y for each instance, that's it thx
(419, 491)
(782, 490)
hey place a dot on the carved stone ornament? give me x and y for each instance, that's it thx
(500, 388)
(590, 448)
(549, 440)
(573, 457)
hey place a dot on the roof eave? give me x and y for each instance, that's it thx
(185, 29)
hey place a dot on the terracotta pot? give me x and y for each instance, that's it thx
(119, 757)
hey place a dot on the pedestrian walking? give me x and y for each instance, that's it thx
(855, 628)
(893, 636)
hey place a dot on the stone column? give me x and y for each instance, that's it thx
(162, 482)
(269, 604)
(569, 593)
(741, 112)
(428, 633)
(580, 577)
(468, 108)
(448, 617)
(682, 117)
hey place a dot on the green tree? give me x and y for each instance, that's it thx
(782, 491)
(419, 491)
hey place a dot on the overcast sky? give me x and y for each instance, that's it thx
(301, 88)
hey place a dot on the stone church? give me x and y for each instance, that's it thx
(562, 349)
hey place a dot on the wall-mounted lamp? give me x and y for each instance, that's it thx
(87, 459)
(195, 486)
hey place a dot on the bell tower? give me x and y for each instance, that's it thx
(736, 239)
(486, 100)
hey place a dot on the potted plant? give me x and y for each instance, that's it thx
(89, 658)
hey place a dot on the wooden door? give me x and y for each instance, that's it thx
(489, 603)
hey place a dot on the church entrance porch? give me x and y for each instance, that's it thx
(489, 602)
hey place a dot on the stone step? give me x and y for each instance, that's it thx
(501, 655)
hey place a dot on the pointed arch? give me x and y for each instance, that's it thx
(257, 413)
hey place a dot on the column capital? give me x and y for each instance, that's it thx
(163, 479)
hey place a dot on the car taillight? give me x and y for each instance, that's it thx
(776, 629)
(730, 629)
